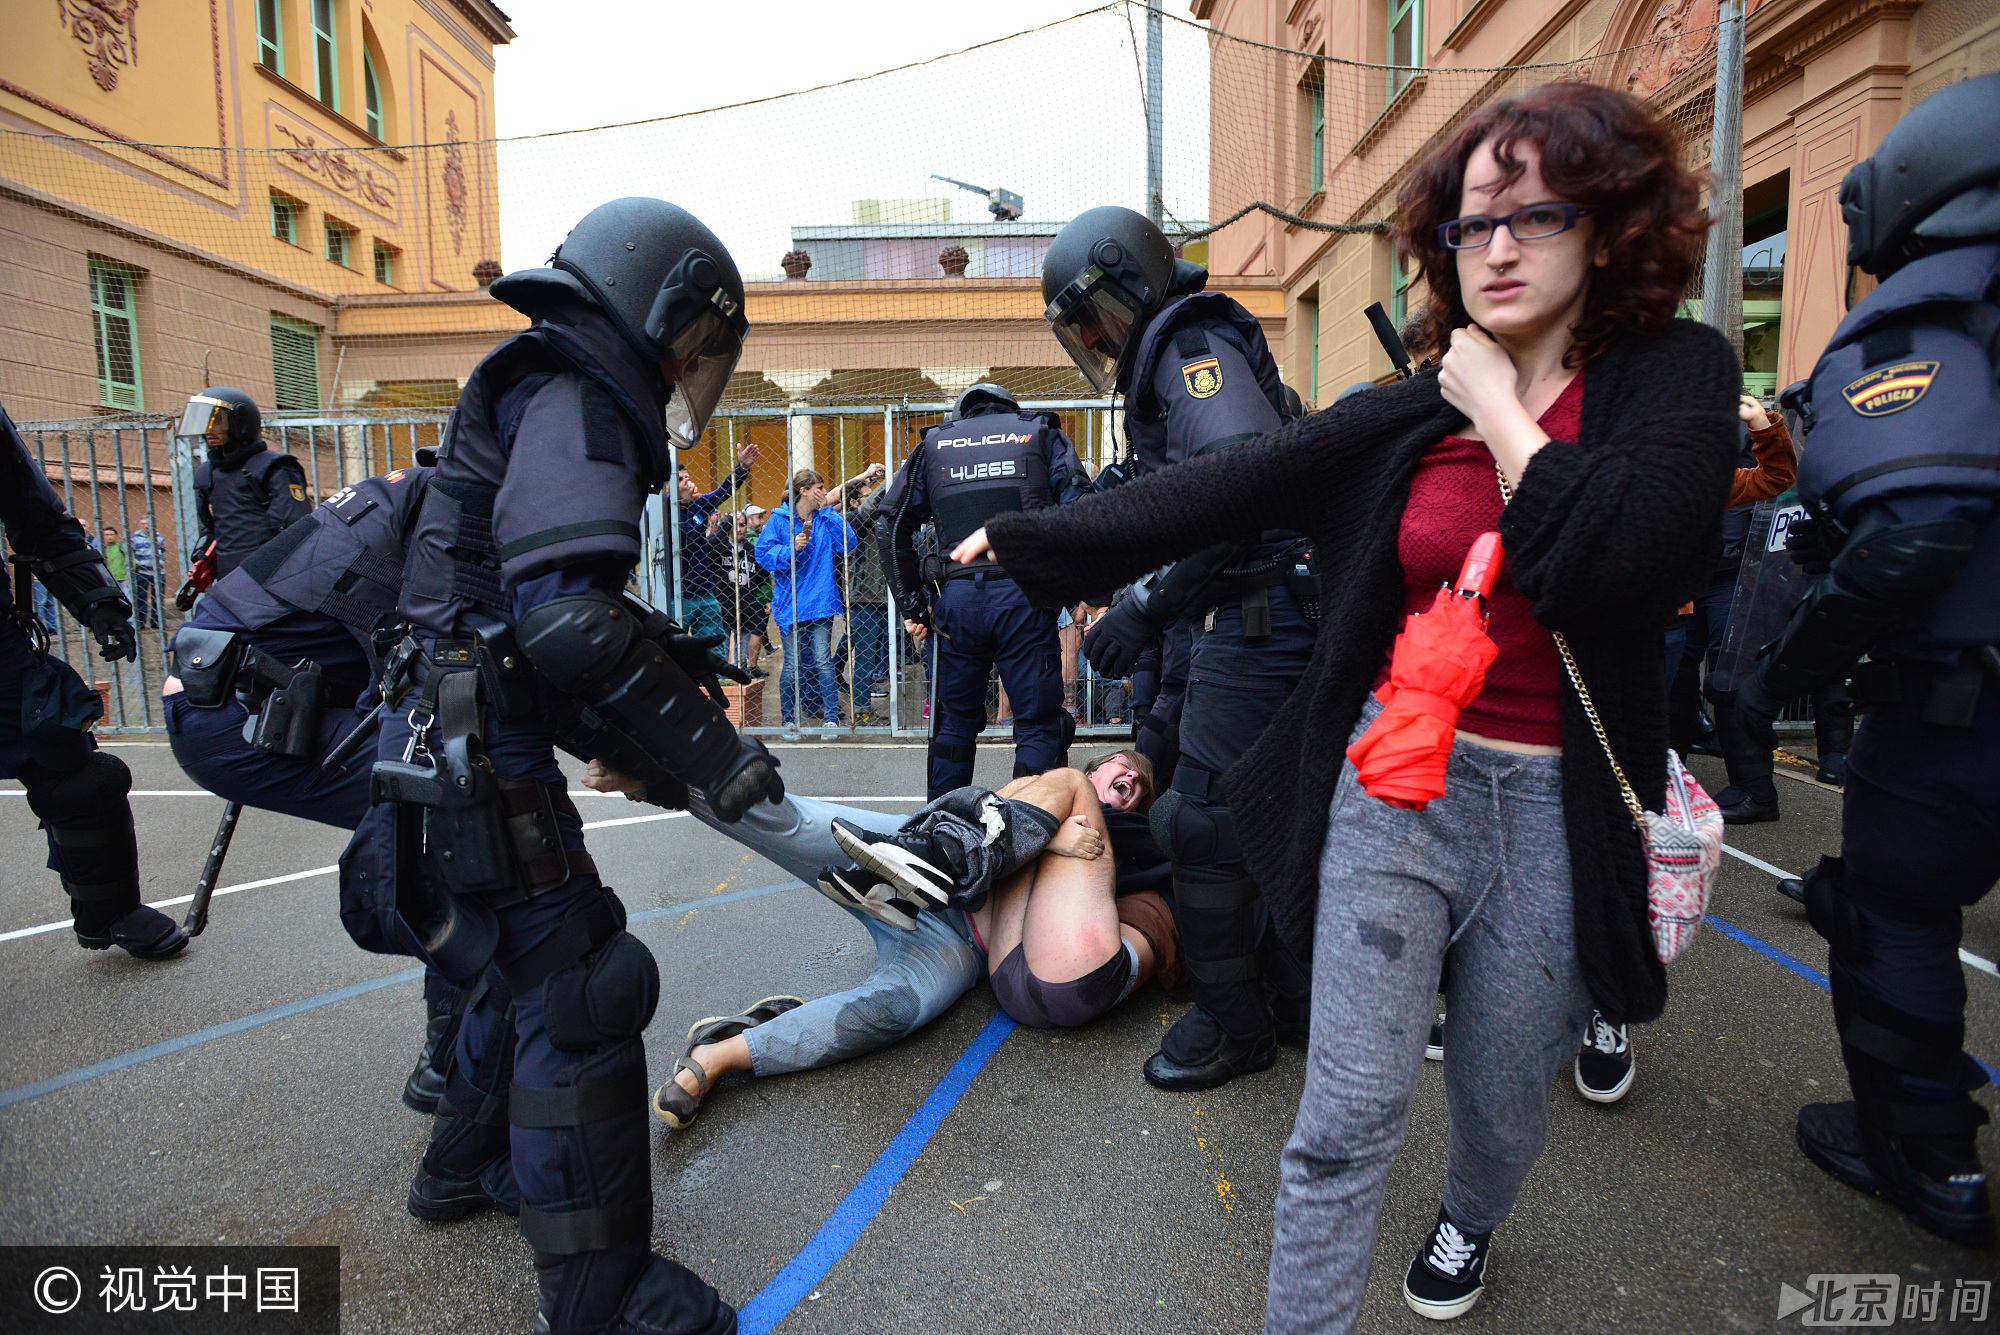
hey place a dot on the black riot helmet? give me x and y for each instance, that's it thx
(1933, 183)
(1107, 272)
(231, 411)
(666, 283)
(985, 395)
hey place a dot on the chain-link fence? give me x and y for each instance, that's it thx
(129, 481)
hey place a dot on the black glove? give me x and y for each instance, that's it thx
(115, 636)
(1114, 643)
(1813, 544)
(699, 656)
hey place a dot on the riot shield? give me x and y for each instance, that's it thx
(1769, 585)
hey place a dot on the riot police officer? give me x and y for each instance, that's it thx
(79, 793)
(513, 587)
(990, 457)
(279, 665)
(1901, 478)
(245, 492)
(1197, 377)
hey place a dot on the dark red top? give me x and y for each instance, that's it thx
(1455, 497)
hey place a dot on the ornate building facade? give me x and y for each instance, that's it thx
(298, 197)
(1823, 81)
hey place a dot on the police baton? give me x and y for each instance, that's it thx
(336, 759)
(1391, 341)
(197, 914)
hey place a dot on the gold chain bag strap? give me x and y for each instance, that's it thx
(1683, 843)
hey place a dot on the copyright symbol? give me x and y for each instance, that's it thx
(49, 1281)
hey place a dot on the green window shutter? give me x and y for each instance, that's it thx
(270, 43)
(371, 88)
(115, 320)
(1318, 95)
(295, 364)
(326, 63)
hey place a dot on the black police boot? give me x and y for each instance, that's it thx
(426, 1084)
(1833, 768)
(144, 933)
(1793, 888)
(1754, 803)
(469, 1164)
(625, 1291)
(1198, 1053)
(1936, 1180)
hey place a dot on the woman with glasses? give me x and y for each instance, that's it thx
(1555, 234)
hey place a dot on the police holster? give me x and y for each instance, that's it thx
(284, 702)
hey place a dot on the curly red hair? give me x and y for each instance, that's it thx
(1598, 147)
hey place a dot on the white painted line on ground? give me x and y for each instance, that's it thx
(20, 932)
(1758, 863)
(1965, 956)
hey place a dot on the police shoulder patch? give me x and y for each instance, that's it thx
(298, 492)
(1891, 389)
(1203, 378)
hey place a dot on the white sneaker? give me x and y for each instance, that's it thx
(790, 732)
(1434, 1045)
(831, 733)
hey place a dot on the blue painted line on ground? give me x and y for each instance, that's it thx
(229, 1028)
(22, 1093)
(1805, 971)
(859, 1207)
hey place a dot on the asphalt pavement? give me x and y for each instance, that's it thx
(975, 1178)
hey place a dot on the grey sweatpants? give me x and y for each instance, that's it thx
(1483, 873)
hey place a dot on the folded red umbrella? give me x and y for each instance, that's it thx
(1437, 669)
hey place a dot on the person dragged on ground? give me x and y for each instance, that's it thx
(1555, 234)
(1053, 885)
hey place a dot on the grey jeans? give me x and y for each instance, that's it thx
(1484, 874)
(916, 976)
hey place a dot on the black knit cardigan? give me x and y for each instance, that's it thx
(1606, 535)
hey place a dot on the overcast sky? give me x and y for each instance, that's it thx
(1055, 117)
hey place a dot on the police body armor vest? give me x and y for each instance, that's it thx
(239, 499)
(978, 467)
(1223, 317)
(344, 561)
(1884, 358)
(451, 562)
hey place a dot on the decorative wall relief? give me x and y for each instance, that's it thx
(109, 32)
(454, 182)
(350, 172)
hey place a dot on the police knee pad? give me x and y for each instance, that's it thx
(606, 997)
(95, 788)
(1192, 831)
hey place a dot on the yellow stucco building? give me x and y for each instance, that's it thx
(206, 190)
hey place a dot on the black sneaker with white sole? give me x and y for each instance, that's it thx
(1604, 1067)
(912, 863)
(1434, 1045)
(863, 891)
(1449, 1274)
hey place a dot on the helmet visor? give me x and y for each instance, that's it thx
(704, 355)
(1093, 320)
(201, 415)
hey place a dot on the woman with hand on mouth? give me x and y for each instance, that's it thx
(1571, 411)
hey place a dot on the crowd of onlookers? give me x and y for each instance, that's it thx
(813, 568)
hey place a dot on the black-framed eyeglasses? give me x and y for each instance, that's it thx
(1537, 222)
